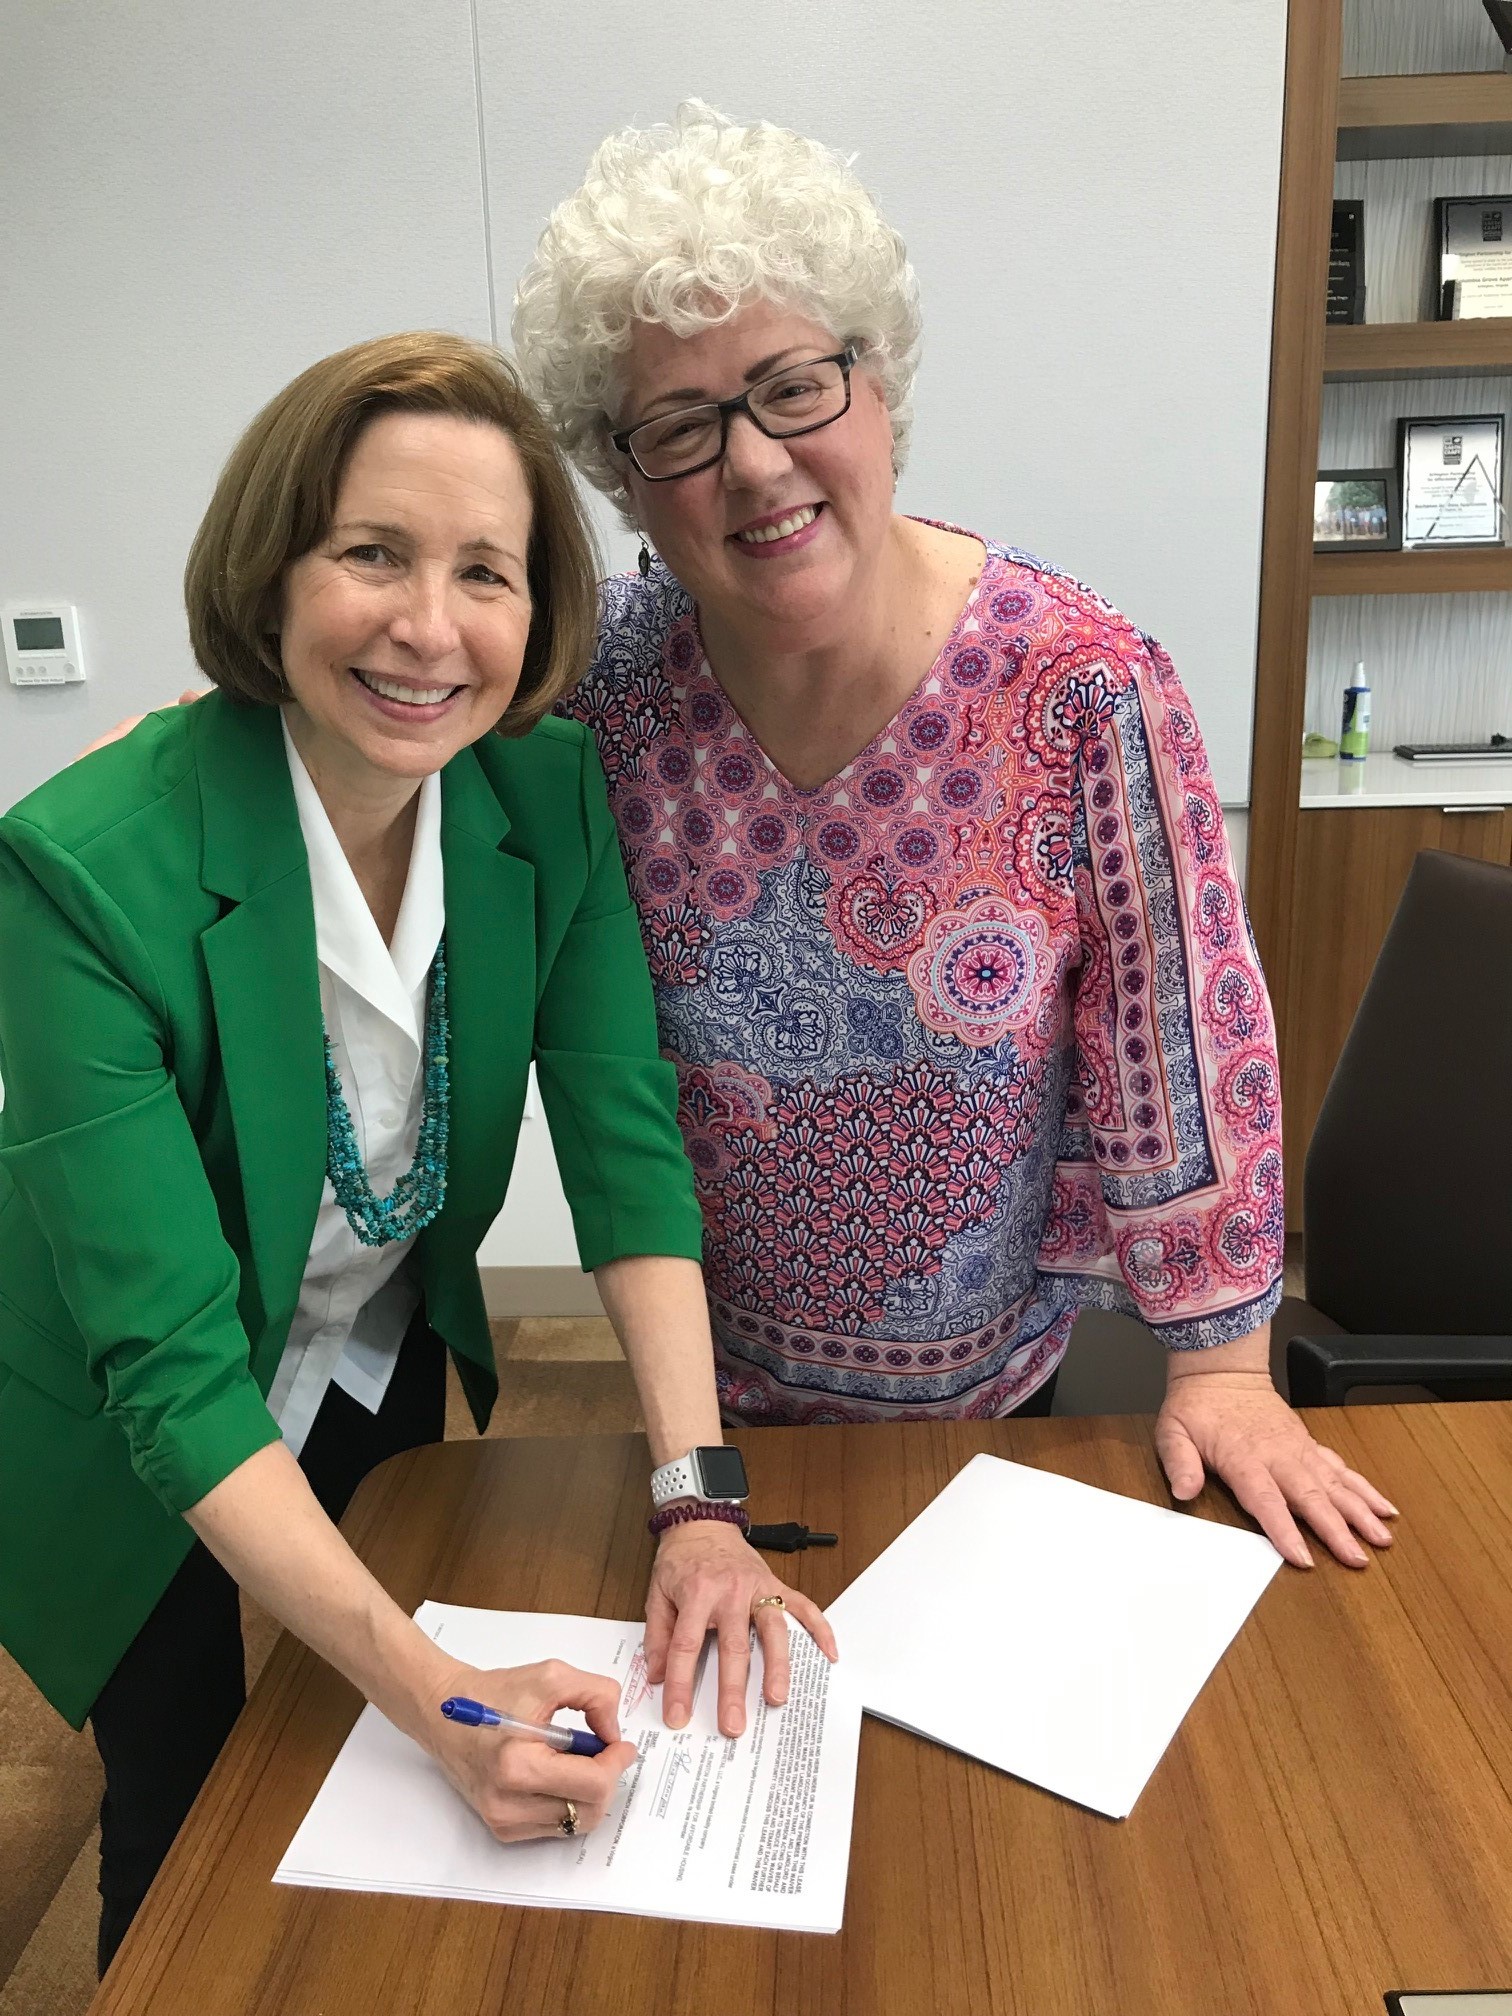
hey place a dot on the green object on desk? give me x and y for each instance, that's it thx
(1318, 745)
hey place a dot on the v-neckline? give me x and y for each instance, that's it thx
(889, 729)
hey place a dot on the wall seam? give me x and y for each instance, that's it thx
(488, 266)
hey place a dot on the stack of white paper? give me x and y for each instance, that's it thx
(1056, 1631)
(753, 1830)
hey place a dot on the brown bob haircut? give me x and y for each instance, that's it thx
(276, 499)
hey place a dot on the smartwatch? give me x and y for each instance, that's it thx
(716, 1474)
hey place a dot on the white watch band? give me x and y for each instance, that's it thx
(674, 1480)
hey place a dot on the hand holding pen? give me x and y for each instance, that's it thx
(473, 1714)
(542, 1778)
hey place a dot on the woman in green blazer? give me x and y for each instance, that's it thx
(272, 971)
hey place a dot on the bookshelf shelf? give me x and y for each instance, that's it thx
(1401, 118)
(1363, 350)
(1474, 570)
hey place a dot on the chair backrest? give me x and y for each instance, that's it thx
(1407, 1197)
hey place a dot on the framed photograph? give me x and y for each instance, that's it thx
(1451, 477)
(1474, 236)
(1356, 510)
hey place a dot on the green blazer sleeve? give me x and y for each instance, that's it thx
(95, 1140)
(610, 1100)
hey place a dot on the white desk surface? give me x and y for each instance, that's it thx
(1384, 780)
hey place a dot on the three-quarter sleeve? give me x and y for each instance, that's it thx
(1168, 1183)
(97, 1144)
(610, 1099)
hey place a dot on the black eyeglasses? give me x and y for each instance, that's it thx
(799, 399)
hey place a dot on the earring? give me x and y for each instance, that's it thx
(643, 560)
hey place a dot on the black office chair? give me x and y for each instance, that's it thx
(1407, 1190)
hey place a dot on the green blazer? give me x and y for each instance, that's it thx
(163, 1135)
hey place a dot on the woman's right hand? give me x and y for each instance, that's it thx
(518, 1787)
(123, 728)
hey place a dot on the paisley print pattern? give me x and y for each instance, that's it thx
(969, 1036)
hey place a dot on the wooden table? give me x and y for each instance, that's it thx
(1333, 1819)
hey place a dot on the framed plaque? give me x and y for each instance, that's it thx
(1346, 263)
(1500, 13)
(1474, 236)
(1356, 511)
(1451, 478)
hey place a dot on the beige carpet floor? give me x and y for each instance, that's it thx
(556, 1377)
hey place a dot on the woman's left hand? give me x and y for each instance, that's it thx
(707, 1578)
(1238, 1426)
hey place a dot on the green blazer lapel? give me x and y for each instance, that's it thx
(265, 983)
(490, 976)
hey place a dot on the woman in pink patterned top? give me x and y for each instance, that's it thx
(933, 880)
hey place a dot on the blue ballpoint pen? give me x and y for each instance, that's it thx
(577, 1742)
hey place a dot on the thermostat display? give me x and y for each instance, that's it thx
(41, 643)
(38, 633)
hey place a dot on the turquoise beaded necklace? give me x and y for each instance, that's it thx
(421, 1191)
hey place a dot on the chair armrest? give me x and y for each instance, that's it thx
(1321, 1370)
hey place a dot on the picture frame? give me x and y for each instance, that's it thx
(1473, 236)
(1450, 472)
(1499, 13)
(1357, 511)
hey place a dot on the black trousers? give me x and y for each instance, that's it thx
(162, 1716)
(1038, 1403)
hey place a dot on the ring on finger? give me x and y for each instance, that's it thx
(761, 1603)
(568, 1822)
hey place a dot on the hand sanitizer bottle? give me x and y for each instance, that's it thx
(1354, 737)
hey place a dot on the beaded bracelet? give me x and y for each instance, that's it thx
(697, 1508)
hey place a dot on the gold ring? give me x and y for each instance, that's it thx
(762, 1601)
(568, 1821)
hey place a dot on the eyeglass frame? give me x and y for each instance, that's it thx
(847, 359)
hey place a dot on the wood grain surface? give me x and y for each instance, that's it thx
(1382, 118)
(1333, 1819)
(1298, 327)
(1362, 350)
(1467, 570)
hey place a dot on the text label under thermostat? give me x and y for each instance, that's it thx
(41, 643)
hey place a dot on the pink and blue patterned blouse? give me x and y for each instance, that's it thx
(968, 1037)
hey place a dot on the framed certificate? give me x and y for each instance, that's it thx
(1474, 256)
(1451, 477)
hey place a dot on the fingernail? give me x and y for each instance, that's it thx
(1359, 1558)
(676, 1717)
(1307, 1559)
(1392, 1510)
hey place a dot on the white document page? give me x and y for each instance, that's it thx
(751, 1830)
(1054, 1630)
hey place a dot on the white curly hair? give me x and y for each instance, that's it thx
(683, 224)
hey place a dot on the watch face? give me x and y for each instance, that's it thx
(722, 1473)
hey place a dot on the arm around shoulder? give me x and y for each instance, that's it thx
(610, 1098)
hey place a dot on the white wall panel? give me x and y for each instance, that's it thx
(197, 203)
(1089, 195)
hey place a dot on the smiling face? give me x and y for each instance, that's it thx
(827, 495)
(404, 629)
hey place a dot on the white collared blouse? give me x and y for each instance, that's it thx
(355, 1301)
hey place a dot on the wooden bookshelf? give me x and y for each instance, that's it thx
(1408, 118)
(1359, 350)
(1474, 570)
(1304, 940)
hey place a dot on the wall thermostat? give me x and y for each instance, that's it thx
(41, 643)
